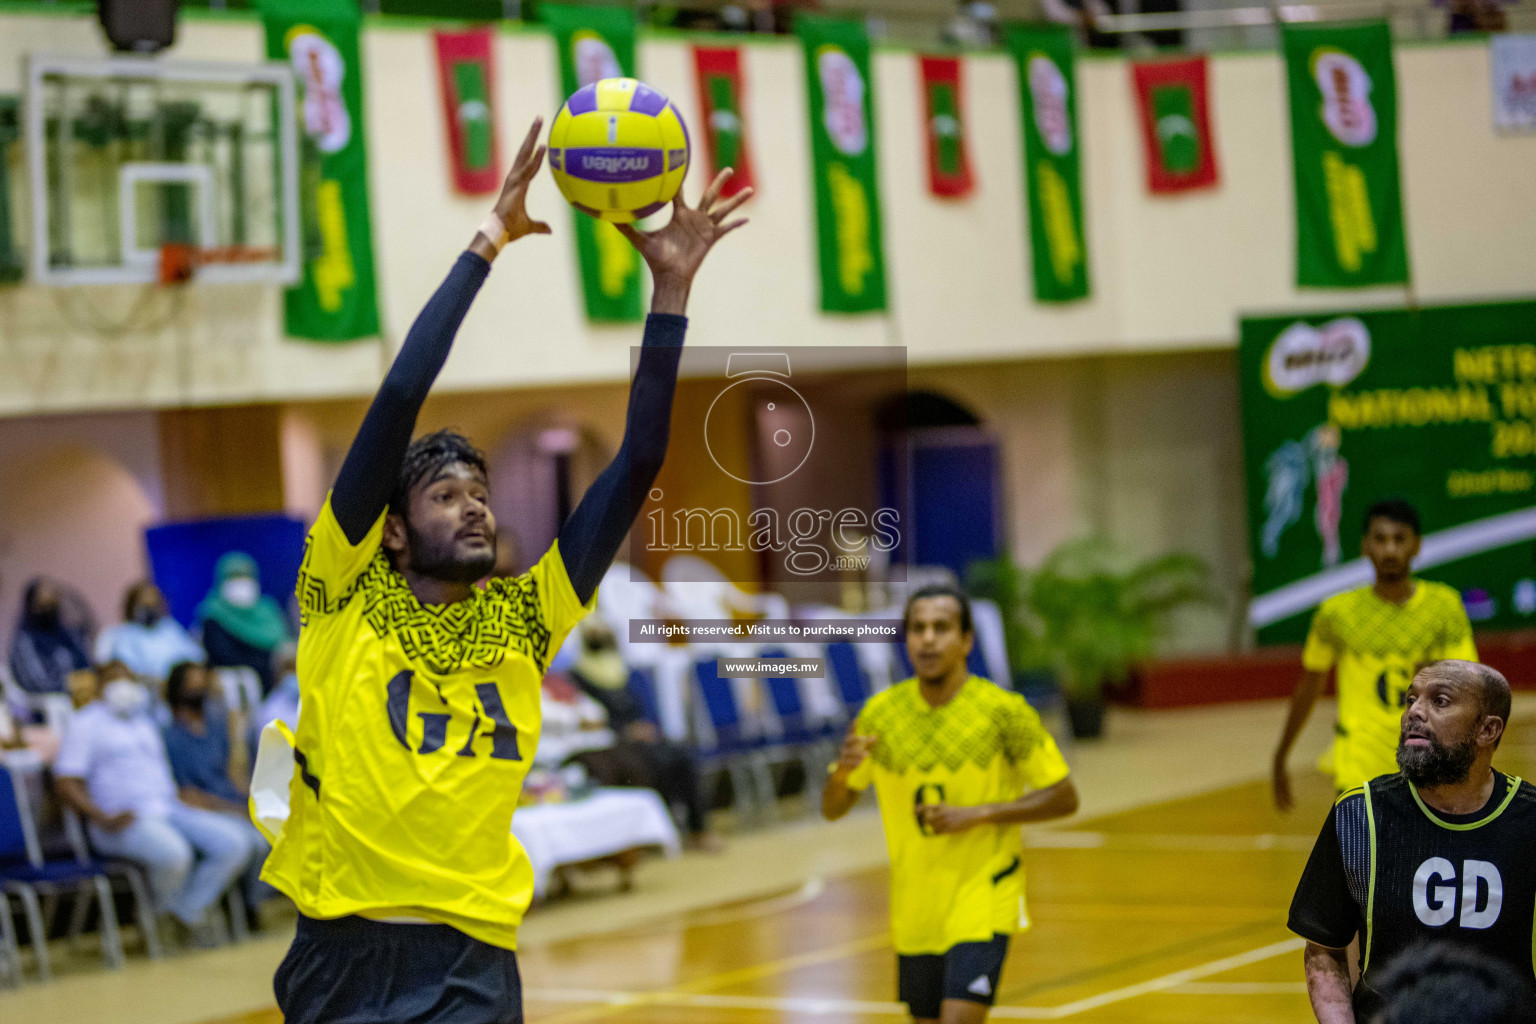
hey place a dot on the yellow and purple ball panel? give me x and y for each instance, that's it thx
(618, 150)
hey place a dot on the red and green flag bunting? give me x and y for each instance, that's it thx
(597, 43)
(466, 74)
(318, 39)
(1175, 124)
(1349, 208)
(722, 99)
(1052, 161)
(949, 159)
(843, 156)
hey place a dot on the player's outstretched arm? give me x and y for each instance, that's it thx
(592, 535)
(368, 475)
(1308, 689)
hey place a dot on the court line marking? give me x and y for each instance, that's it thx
(615, 1000)
(1177, 978)
(1063, 840)
(1182, 982)
(1239, 988)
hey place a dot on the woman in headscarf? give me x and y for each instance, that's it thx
(241, 625)
(44, 651)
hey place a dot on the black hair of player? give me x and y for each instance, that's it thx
(1442, 983)
(1397, 510)
(940, 590)
(176, 682)
(426, 459)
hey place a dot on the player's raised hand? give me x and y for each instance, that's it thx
(855, 749)
(511, 205)
(675, 252)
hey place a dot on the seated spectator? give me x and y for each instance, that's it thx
(641, 757)
(197, 743)
(241, 625)
(10, 729)
(148, 640)
(45, 651)
(112, 769)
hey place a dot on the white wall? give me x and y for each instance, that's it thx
(1167, 273)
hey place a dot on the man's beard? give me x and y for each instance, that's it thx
(1436, 764)
(438, 562)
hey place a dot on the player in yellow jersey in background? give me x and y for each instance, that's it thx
(958, 763)
(1377, 637)
(421, 689)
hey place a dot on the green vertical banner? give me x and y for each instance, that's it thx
(843, 156)
(1052, 160)
(597, 43)
(337, 299)
(1436, 405)
(1349, 206)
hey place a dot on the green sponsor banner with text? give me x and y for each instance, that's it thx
(1435, 405)
(1052, 160)
(597, 43)
(1349, 206)
(848, 230)
(336, 300)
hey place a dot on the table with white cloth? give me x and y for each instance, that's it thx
(608, 821)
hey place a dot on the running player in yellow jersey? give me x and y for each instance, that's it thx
(957, 764)
(421, 690)
(1376, 637)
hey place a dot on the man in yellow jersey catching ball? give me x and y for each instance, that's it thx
(958, 764)
(1377, 637)
(421, 690)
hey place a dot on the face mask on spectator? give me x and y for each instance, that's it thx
(240, 591)
(125, 698)
(146, 615)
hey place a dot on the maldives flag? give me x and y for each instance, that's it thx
(1175, 124)
(949, 162)
(722, 97)
(464, 71)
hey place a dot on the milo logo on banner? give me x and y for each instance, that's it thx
(1335, 353)
(1048, 90)
(842, 92)
(594, 58)
(321, 69)
(1346, 89)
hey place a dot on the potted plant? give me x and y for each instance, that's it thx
(1089, 614)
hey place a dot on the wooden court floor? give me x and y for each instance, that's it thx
(1170, 913)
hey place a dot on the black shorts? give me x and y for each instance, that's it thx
(968, 971)
(355, 971)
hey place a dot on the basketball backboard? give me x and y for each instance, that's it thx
(129, 155)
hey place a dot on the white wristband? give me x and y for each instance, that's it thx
(495, 232)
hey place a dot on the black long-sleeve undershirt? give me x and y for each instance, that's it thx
(591, 536)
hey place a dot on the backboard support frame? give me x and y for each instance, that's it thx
(144, 270)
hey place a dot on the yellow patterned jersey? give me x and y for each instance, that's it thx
(419, 724)
(985, 746)
(1377, 646)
